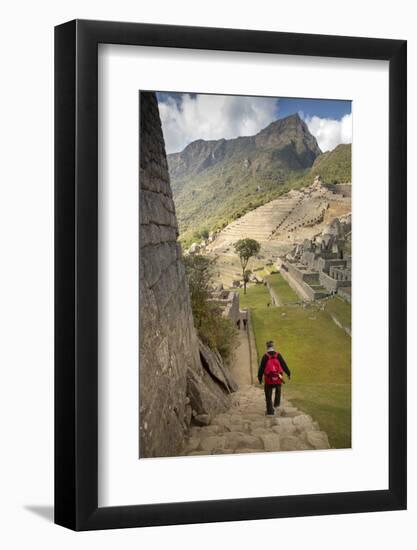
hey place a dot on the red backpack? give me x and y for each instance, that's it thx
(273, 370)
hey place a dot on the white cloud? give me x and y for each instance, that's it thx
(213, 117)
(330, 133)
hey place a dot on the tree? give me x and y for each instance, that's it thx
(199, 270)
(246, 275)
(204, 233)
(201, 235)
(246, 249)
(218, 332)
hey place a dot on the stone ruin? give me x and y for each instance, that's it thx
(181, 381)
(228, 301)
(281, 219)
(200, 247)
(321, 266)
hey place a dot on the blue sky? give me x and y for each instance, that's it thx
(188, 116)
(323, 108)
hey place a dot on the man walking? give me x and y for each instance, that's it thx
(271, 370)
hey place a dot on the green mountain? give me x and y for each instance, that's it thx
(333, 166)
(215, 182)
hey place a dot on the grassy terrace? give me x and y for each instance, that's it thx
(318, 353)
(282, 289)
(256, 297)
(341, 310)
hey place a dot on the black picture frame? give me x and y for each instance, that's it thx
(76, 272)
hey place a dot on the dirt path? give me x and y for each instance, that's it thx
(241, 367)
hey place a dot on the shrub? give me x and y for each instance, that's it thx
(218, 332)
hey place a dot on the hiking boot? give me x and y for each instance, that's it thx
(270, 414)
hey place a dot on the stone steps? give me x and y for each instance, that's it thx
(244, 428)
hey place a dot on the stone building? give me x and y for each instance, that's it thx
(180, 381)
(321, 266)
(228, 301)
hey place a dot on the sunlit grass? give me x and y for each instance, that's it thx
(318, 354)
(341, 310)
(282, 289)
(257, 296)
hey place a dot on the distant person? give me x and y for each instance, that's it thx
(271, 370)
(245, 322)
(238, 324)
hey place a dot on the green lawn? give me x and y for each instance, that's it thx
(318, 353)
(257, 296)
(341, 310)
(329, 404)
(282, 289)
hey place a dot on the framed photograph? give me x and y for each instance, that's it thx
(230, 284)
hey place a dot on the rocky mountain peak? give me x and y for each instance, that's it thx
(291, 130)
(287, 139)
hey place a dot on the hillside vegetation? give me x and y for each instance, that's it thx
(333, 166)
(216, 182)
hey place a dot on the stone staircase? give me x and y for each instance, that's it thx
(244, 428)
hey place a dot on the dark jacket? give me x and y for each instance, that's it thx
(264, 361)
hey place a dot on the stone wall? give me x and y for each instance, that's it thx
(344, 189)
(232, 309)
(228, 301)
(174, 386)
(302, 274)
(332, 285)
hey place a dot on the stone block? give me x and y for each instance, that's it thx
(241, 440)
(318, 440)
(284, 422)
(214, 364)
(289, 443)
(271, 442)
(258, 424)
(284, 430)
(149, 234)
(202, 419)
(290, 412)
(212, 442)
(188, 414)
(260, 431)
(302, 420)
(191, 444)
(236, 427)
(211, 429)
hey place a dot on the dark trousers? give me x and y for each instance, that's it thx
(268, 388)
